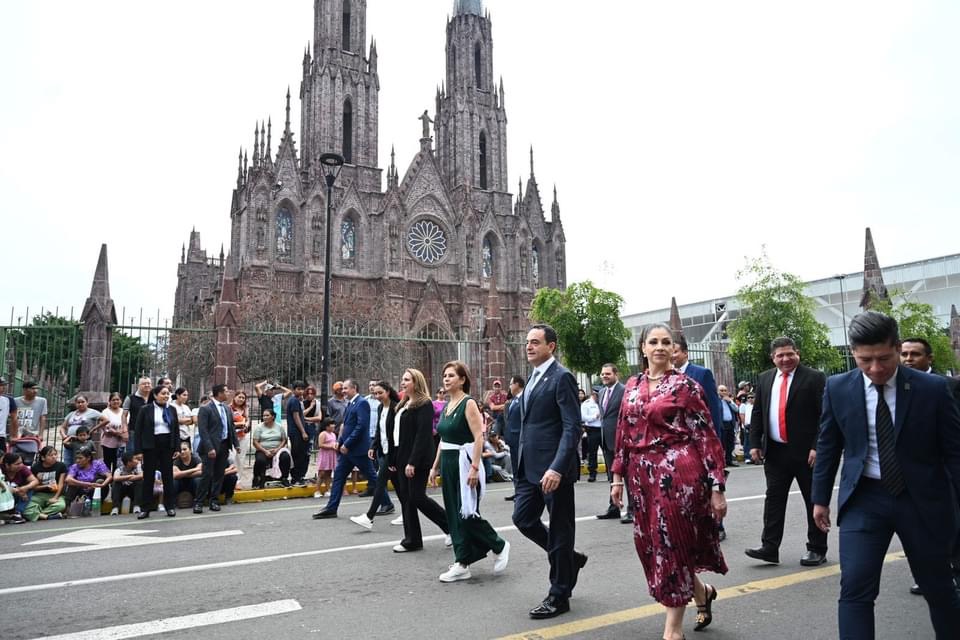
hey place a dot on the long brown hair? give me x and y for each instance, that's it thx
(421, 392)
(460, 368)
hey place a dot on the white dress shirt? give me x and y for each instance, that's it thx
(773, 418)
(159, 426)
(535, 379)
(871, 465)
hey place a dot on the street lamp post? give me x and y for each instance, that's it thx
(332, 163)
(843, 322)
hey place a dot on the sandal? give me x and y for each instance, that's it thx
(704, 611)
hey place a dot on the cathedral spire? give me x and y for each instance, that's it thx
(240, 168)
(269, 138)
(286, 126)
(263, 141)
(531, 162)
(873, 287)
(256, 144)
(555, 207)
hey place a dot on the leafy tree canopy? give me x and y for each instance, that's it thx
(587, 319)
(917, 320)
(773, 304)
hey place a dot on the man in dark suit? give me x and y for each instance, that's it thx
(354, 442)
(917, 354)
(511, 431)
(783, 433)
(898, 432)
(548, 466)
(610, 398)
(217, 437)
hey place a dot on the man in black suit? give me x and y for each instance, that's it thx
(548, 466)
(217, 437)
(511, 432)
(610, 398)
(897, 431)
(916, 353)
(783, 433)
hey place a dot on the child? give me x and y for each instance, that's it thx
(326, 458)
(126, 482)
(72, 444)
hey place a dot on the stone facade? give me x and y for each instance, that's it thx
(423, 254)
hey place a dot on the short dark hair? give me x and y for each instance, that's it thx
(82, 429)
(272, 413)
(43, 453)
(611, 366)
(127, 456)
(350, 382)
(872, 328)
(519, 381)
(782, 342)
(549, 333)
(298, 385)
(460, 368)
(926, 345)
(217, 389)
(681, 342)
(10, 458)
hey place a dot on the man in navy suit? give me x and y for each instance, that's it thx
(511, 431)
(353, 443)
(611, 396)
(547, 467)
(217, 437)
(898, 432)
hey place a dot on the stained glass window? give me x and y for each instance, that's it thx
(535, 266)
(284, 234)
(487, 254)
(348, 241)
(427, 242)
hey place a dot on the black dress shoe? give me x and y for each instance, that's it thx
(551, 607)
(323, 513)
(627, 518)
(764, 553)
(386, 510)
(197, 508)
(214, 505)
(510, 498)
(579, 562)
(143, 514)
(592, 477)
(171, 513)
(813, 559)
(916, 590)
(610, 514)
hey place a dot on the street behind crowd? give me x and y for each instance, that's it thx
(268, 570)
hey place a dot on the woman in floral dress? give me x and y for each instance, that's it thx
(668, 453)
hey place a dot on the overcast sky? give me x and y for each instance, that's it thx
(681, 136)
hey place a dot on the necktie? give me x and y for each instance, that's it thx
(606, 399)
(890, 474)
(223, 420)
(526, 392)
(782, 410)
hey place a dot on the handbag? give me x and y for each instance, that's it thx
(75, 508)
(7, 501)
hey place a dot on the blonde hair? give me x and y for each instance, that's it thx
(421, 392)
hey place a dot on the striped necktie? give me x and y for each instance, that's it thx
(890, 474)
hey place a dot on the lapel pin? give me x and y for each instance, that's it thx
(906, 386)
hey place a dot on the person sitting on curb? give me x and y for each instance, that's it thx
(47, 501)
(127, 479)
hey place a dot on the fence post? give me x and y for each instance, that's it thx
(496, 355)
(227, 323)
(97, 319)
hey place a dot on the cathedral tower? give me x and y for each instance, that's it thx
(340, 88)
(471, 123)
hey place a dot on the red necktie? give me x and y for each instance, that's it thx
(782, 411)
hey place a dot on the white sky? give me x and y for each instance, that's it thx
(681, 136)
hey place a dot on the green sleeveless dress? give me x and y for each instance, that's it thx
(472, 537)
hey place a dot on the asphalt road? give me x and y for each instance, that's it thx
(269, 570)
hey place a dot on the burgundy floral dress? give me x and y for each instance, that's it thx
(669, 456)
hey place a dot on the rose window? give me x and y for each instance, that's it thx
(427, 242)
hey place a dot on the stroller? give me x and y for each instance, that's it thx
(27, 447)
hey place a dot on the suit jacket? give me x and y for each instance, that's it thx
(355, 434)
(550, 427)
(210, 428)
(608, 418)
(415, 444)
(143, 428)
(704, 378)
(804, 402)
(513, 417)
(927, 429)
(377, 445)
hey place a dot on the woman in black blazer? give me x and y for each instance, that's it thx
(158, 439)
(383, 451)
(415, 454)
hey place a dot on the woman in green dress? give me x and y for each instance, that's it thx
(459, 458)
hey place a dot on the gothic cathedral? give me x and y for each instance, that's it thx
(425, 254)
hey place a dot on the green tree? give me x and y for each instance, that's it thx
(587, 319)
(773, 304)
(917, 320)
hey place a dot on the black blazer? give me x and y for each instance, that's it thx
(210, 428)
(610, 417)
(550, 435)
(804, 403)
(143, 429)
(391, 453)
(415, 440)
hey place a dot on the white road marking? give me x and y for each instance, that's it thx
(166, 625)
(97, 539)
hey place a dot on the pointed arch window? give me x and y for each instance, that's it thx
(345, 33)
(486, 267)
(535, 266)
(284, 235)
(347, 131)
(483, 160)
(348, 242)
(477, 67)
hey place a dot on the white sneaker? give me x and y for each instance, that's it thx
(317, 494)
(326, 494)
(363, 521)
(447, 541)
(115, 511)
(161, 508)
(398, 522)
(136, 509)
(456, 572)
(501, 559)
(400, 549)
